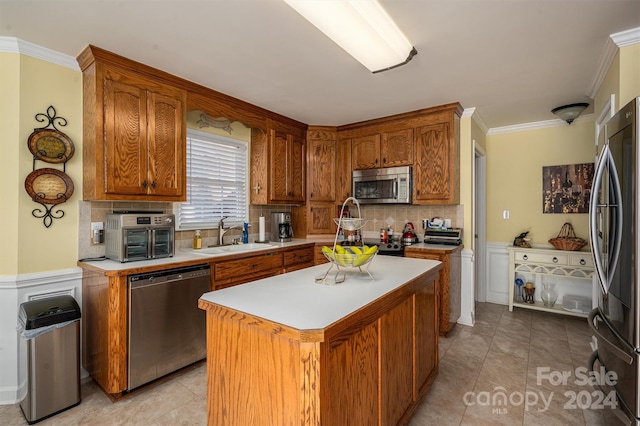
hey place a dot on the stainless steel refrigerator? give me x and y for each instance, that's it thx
(614, 221)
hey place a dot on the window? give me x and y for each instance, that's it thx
(216, 181)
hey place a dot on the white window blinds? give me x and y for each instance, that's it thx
(216, 181)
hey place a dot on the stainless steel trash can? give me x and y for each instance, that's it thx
(51, 328)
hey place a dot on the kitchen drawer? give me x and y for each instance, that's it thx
(294, 257)
(231, 269)
(584, 259)
(550, 258)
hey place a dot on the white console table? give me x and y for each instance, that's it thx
(567, 266)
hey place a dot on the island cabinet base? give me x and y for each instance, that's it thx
(370, 368)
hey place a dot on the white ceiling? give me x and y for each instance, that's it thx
(512, 60)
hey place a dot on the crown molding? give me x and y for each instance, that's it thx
(537, 125)
(613, 43)
(626, 38)
(472, 112)
(16, 45)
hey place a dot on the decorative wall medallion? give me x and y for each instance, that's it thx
(47, 186)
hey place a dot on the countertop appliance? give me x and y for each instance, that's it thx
(613, 231)
(448, 236)
(167, 330)
(281, 228)
(390, 185)
(139, 236)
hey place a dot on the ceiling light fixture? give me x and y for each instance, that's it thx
(362, 28)
(570, 112)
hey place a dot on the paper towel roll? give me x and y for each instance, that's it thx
(261, 229)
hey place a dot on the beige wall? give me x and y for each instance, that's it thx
(470, 134)
(31, 86)
(514, 179)
(629, 74)
(9, 182)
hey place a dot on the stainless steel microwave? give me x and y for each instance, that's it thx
(390, 185)
(139, 236)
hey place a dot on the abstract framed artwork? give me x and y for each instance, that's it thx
(567, 188)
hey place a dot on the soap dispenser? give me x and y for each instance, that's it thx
(245, 233)
(197, 240)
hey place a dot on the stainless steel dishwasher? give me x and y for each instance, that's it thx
(167, 330)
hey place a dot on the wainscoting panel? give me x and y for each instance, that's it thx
(467, 308)
(497, 282)
(15, 290)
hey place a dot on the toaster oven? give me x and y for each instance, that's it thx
(139, 236)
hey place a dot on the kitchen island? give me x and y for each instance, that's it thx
(287, 350)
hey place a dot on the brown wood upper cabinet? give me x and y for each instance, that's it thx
(387, 149)
(278, 165)
(317, 216)
(322, 165)
(134, 136)
(436, 172)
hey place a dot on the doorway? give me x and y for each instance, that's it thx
(479, 222)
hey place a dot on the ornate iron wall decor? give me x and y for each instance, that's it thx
(47, 186)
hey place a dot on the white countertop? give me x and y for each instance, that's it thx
(431, 246)
(185, 255)
(296, 300)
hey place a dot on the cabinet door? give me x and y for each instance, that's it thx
(351, 379)
(278, 185)
(125, 138)
(166, 144)
(365, 152)
(343, 170)
(287, 168)
(296, 170)
(322, 170)
(433, 171)
(321, 218)
(396, 362)
(426, 341)
(396, 148)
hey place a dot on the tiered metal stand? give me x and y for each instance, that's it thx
(348, 259)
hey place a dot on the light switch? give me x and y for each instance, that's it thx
(505, 214)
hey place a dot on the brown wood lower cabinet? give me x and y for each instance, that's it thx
(370, 368)
(450, 282)
(105, 304)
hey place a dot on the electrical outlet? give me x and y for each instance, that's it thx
(97, 231)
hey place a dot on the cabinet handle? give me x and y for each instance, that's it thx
(525, 257)
(384, 160)
(555, 259)
(583, 262)
(145, 184)
(153, 184)
(311, 195)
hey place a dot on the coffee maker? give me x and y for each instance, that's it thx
(281, 230)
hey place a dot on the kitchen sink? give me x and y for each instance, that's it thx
(234, 248)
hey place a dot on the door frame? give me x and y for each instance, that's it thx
(479, 225)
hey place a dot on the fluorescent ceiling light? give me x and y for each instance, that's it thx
(362, 28)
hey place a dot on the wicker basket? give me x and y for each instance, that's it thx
(567, 240)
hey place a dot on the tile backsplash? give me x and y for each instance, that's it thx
(96, 211)
(378, 216)
(396, 216)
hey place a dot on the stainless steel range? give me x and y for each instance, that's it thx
(389, 248)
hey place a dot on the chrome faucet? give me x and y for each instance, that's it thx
(222, 230)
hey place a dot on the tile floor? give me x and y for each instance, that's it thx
(499, 356)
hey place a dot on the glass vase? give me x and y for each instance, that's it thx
(548, 294)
